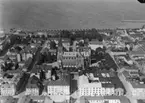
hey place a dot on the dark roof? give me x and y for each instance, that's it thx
(34, 82)
(63, 81)
(116, 82)
(107, 85)
(46, 67)
(123, 99)
(141, 101)
(35, 69)
(109, 62)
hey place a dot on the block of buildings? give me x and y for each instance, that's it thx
(99, 83)
(134, 85)
(8, 89)
(103, 99)
(34, 86)
(59, 88)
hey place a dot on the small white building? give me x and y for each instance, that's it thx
(8, 89)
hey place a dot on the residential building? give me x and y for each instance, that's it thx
(24, 99)
(92, 89)
(104, 99)
(48, 100)
(34, 86)
(39, 99)
(8, 89)
(11, 100)
(125, 62)
(59, 88)
(47, 69)
(66, 43)
(134, 86)
(100, 83)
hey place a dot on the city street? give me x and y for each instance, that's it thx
(34, 59)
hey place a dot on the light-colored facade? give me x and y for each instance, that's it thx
(58, 90)
(32, 87)
(93, 89)
(8, 89)
(104, 99)
(32, 91)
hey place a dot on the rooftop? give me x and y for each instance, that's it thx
(126, 63)
(135, 81)
(141, 101)
(95, 42)
(63, 81)
(34, 82)
(103, 78)
(137, 84)
(123, 99)
(38, 97)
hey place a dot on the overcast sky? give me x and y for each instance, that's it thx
(76, 0)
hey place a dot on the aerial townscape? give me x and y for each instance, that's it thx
(72, 66)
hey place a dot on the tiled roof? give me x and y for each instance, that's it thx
(126, 39)
(86, 99)
(14, 71)
(46, 67)
(139, 52)
(32, 82)
(125, 73)
(96, 42)
(107, 85)
(63, 81)
(141, 101)
(136, 35)
(116, 82)
(137, 85)
(38, 97)
(123, 99)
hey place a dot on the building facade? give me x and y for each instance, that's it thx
(8, 89)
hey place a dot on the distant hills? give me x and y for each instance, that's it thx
(68, 15)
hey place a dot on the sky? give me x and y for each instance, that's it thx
(76, 0)
(68, 14)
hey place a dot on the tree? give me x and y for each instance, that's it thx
(72, 39)
(66, 34)
(52, 45)
(18, 49)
